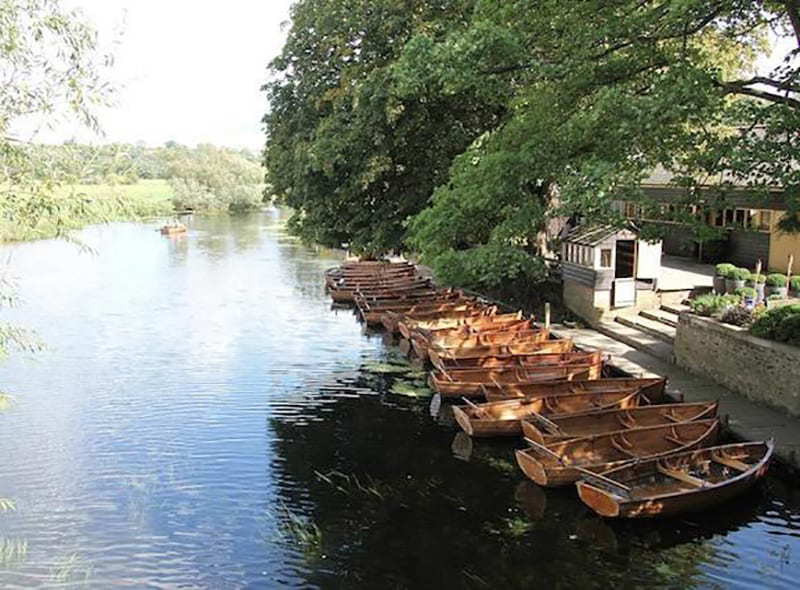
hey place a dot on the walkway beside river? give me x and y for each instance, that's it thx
(747, 420)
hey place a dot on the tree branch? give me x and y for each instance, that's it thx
(780, 85)
(762, 94)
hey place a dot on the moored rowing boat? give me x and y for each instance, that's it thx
(504, 418)
(654, 388)
(603, 421)
(607, 451)
(684, 482)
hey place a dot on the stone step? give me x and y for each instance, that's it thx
(637, 339)
(675, 308)
(659, 315)
(651, 327)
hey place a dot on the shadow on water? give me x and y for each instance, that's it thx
(402, 500)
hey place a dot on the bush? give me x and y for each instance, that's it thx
(710, 305)
(738, 316)
(738, 274)
(776, 280)
(723, 268)
(746, 292)
(758, 279)
(795, 284)
(781, 324)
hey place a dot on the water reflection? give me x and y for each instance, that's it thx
(203, 418)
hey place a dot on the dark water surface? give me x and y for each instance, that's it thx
(204, 419)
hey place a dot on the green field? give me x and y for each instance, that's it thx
(146, 191)
(86, 204)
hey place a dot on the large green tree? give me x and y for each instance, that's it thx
(603, 92)
(350, 153)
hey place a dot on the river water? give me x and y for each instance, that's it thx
(203, 418)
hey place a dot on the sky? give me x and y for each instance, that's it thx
(190, 70)
(187, 70)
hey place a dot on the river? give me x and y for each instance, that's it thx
(203, 418)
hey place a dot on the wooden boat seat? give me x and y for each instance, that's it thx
(730, 462)
(682, 476)
(625, 451)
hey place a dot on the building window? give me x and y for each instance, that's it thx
(605, 258)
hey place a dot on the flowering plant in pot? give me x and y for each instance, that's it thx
(777, 285)
(720, 272)
(794, 286)
(735, 279)
(757, 281)
(748, 295)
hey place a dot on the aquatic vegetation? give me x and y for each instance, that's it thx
(410, 389)
(348, 484)
(71, 569)
(7, 505)
(511, 527)
(300, 530)
(12, 551)
(385, 368)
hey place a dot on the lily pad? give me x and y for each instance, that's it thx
(410, 390)
(385, 368)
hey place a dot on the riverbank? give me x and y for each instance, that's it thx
(77, 206)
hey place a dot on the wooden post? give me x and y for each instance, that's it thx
(547, 315)
(758, 267)
(789, 268)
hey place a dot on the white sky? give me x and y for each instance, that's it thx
(188, 70)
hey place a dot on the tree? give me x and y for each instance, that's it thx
(600, 93)
(345, 148)
(50, 67)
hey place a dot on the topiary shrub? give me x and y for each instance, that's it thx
(746, 292)
(723, 268)
(738, 316)
(759, 279)
(739, 274)
(776, 280)
(794, 284)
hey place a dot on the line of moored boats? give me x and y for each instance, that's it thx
(630, 450)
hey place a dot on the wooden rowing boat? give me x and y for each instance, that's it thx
(549, 353)
(171, 230)
(488, 319)
(422, 287)
(596, 422)
(389, 318)
(462, 342)
(421, 340)
(607, 451)
(684, 482)
(464, 353)
(447, 317)
(504, 418)
(653, 388)
(470, 382)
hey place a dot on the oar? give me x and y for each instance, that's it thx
(476, 407)
(589, 474)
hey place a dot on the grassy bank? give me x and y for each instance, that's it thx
(76, 206)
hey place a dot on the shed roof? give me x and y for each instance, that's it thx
(594, 234)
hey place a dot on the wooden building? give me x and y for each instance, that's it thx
(747, 220)
(605, 269)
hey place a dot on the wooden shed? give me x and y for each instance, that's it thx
(607, 268)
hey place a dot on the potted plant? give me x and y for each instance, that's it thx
(794, 286)
(756, 281)
(776, 285)
(735, 279)
(748, 295)
(720, 272)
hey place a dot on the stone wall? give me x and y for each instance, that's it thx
(762, 370)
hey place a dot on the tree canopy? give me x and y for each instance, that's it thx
(577, 101)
